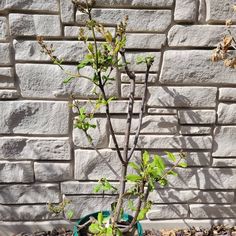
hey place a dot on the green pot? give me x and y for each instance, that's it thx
(125, 217)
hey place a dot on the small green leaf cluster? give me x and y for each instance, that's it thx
(102, 227)
(104, 185)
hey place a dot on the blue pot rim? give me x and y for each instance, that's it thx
(125, 217)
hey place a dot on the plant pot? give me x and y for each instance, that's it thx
(128, 218)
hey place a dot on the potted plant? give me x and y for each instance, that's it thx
(103, 58)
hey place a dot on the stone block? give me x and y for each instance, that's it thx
(83, 205)
(217, 178)
(190, 196)
(3, 28)
(115, 107)
(5, 54)
(224, 141)
(182, 96)
(52, 172)
(226, 114)
(139, 90)
(26, 213)
(32, 5)
(67, 9)
(149, 20)
(172, 211)
(162, 111)
(34, 117)
(197, 116)
(168, 142)
(6, 77)
(73, 32)
(151, 124)
(219, 10)
(16, 148)
(33, 25)
(69, 51)
(18, 172)
(99, 135)
(46, 81)
(224, 162)
(227, 94)
(140, 78)
(135, 3)
(28, 194)
(185, 11)
(196, 35)
(212, 211)
(195, 130)
(8, 94)
(88, 164)
(145, 41)
(194, 67)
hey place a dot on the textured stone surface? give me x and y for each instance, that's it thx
(212, 211)
(224, 162)
(52, 172)
(168, 212)
(191, 196)
(6, 77)
(169, 142)
(198, 130)
(38, 5)
(116, 107)
(3, 28)
(139, 90)
(83, 205)
(88, 164)
(24, 24)
(219, 10)
(73, 32)
(182, 96)
(145, 41)
(140, 78)
(67, 11)
(226, 113)
(196, 35)
(69, 51)
(8, 94)
(185, 10)
(151, 124)
(32, 117)
(162, 111)
(217, 178)
(197, 116)
(99, 135)
(132, 57)
(18, 172)
(224, 141)
(16, 148)
(27, 213)
(135, 3)
(40, 80)
(149, 20)
(28, 194)
(194, 67)
(5, 50)
(227, 94)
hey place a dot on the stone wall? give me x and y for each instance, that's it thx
(191, 106)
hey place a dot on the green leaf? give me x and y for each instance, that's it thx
(183, 164)
(146, 158)
(159, 163)
(67, 80)
(100, 218)
(69, 214)
(171, 156)
(133, 178)
(109, 231)
(90, 47)
(171, 172)
(131, 205)
(163, 182)
(135, 166)
(94, 228)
